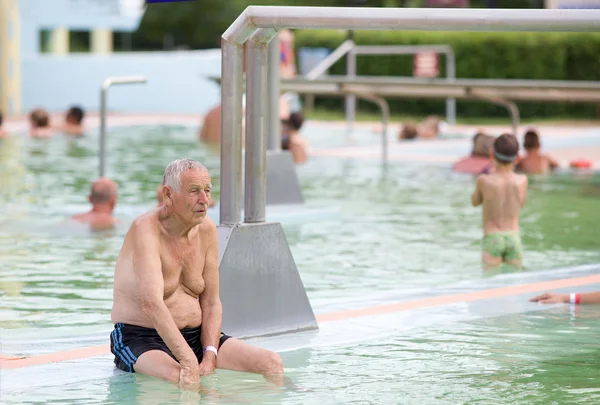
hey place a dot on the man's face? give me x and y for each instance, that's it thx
(192, 201)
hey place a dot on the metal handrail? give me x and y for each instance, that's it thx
(350, 49)
(103, 96)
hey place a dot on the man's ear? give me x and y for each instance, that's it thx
(491, 153)
(167, 196)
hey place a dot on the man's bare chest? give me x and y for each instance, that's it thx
(182, 267)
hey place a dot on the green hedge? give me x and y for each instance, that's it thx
(552, 56)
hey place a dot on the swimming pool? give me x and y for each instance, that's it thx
(406, 230)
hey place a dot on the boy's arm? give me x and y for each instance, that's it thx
(477, 196)
(525, 187)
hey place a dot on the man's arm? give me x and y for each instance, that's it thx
(477, 197)
(147, 269)
(210, 301)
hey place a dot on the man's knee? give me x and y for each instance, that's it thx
(273, 363)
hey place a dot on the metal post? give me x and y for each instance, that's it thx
(231, 133)
(450, 75)
(103, 98)
(351, 98)
(273, 123)
(255, 191)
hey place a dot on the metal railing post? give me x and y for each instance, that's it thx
(103, 100)
(255, 190)
(273, 123)
(450, 75)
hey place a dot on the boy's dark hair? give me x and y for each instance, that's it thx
(408, 131)
(506, 148)
(531, 140)
(295, 121)
(40, 118)
(77, 113)
(0, 118)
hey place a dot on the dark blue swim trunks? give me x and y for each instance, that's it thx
(128, 342)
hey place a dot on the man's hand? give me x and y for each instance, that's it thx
(551, 298)
(189, 375)
(208, 364)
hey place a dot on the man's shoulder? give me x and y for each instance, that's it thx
(208, 227)
(145, 222)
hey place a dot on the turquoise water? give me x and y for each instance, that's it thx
(397, 229)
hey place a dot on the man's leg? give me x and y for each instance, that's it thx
(156, 363)
(240, 356)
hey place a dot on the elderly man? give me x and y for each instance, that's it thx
(167, 311)
(103, 197)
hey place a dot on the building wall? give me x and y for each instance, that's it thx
(10, 66)
(175, 81)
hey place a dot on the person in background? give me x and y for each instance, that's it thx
(535, 162)
(74, 121)
(429, 128)
(408, 131)
(103, 197)
(39, 120)
(479, 162)
(2, 131)
(502, 194)
(292, 140)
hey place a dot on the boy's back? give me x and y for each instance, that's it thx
(537, 163)
(502, 194)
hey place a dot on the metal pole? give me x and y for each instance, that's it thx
(450, 75)
(102, 148)
(330, 60)
(255, 191)
(426, 19)
(350, 98)
(274, 125)
(385, 118)
(103, 98)
(231, 133)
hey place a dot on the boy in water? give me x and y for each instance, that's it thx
(535, 162)
(502, 195)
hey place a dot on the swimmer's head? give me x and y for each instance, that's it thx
(482, 145)
(104, 193)
(295, 121)
(408, 131)
(506, 149)
(531, 140)
(39, 118)
(186, 189)
(75, 115)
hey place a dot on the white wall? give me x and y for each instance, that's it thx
(175, 81)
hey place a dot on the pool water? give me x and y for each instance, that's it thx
(398, 229)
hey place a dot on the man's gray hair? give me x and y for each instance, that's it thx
(172, 177)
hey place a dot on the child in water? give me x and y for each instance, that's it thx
(502, 194)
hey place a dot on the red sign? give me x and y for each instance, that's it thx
(426, 65)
